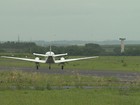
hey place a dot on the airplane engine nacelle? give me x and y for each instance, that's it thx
(37, 58)
(62, 58)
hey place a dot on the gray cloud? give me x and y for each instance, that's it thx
(65, 19)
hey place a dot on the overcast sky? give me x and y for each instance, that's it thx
(69, 19)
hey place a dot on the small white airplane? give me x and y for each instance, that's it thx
(50, 59)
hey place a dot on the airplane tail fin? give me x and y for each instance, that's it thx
(50, 48)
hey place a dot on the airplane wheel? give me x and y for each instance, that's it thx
(37, 67)
(62, 67)
(49, 67)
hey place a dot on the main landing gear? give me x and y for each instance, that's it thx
(62, 67)
(37, 65)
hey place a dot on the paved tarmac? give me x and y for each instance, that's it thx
(101, 73)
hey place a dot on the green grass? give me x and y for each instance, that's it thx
(16, 80)
(24, 80)
(70, 97)
(22, 88)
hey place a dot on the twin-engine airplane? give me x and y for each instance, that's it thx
(50, 59)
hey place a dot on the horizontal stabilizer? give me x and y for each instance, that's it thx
(43, 55)
(58, 55)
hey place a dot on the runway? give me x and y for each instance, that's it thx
(101, 73)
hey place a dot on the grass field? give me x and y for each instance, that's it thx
(22, 88)
(18, 80)
(70, 97)
(36, 81)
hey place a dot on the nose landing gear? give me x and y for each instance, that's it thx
(49, 67)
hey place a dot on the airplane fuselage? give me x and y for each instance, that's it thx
(50, 59)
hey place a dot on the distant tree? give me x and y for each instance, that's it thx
(17, 46)
(93, 49)
(117, 51)
(135, 51)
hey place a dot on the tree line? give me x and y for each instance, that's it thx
(88, 49)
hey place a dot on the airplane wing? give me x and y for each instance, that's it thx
(63, 60)
(26, 59)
